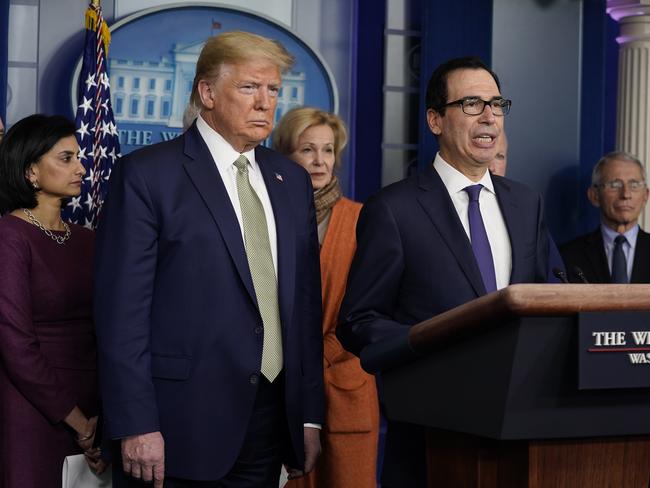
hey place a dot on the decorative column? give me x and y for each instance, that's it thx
(633, 105)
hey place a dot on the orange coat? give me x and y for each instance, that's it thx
(350, 434)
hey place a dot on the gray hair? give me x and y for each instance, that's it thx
(597, 173)
(190, 115)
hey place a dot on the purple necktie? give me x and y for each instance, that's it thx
(479, 238)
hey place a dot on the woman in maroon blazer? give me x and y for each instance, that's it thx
(48, 381)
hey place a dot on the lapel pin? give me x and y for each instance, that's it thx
(279, 176)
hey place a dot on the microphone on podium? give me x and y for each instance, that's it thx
(581, 275)
(560, 275)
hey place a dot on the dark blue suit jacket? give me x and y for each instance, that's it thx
(178, 327)
(588, 253)
(413, 261)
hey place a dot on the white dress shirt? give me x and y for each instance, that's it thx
(224, 157)
(495, 225)
(628, 247)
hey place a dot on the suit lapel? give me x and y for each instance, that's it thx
(206, 179)
(597, 257)
(285, 231)
(641, 267)
(513, 219)
(436, 202)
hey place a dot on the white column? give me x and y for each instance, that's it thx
(633, 105)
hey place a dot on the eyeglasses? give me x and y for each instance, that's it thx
(618, 185)
(476, 106)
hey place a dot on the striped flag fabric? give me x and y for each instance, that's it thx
(96, 131)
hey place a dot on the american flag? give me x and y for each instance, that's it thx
(99, 145)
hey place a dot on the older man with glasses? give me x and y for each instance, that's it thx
(618, 251)
(443, 237)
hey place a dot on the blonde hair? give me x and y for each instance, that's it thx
(236, 47)
(296, 121)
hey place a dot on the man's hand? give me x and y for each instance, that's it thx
(312, 451)
(143, 457)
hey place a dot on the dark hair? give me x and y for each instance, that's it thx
(24, 144)
(437, 90)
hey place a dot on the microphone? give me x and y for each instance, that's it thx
(560, 275)
(580, 274)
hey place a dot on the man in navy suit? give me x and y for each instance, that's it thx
(437, 240)
(208, 306)
(619, 190)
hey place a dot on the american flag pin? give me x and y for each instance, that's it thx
(279, 176)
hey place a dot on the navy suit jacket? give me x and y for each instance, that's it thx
(588, 253)
(414, 259)
(178, 327)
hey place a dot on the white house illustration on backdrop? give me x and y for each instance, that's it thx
(153, 92)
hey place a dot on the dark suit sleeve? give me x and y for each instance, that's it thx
(543, 247)
(312, 346)
(125, 267)
(554, 261)
(373, 286)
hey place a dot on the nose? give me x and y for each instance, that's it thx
(625, 192)
(263, 99)
(319, 158)
(487, 116)
(81, 169)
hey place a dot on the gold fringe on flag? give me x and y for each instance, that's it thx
(91, 24)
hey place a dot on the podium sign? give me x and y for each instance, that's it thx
(613, 350)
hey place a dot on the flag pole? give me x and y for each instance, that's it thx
(97, 135)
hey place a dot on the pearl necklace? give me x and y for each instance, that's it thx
(48, 232)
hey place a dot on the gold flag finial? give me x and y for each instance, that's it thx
(91, 21)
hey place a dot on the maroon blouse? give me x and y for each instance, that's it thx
(47, 349)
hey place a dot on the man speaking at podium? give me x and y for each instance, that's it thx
(443, 237)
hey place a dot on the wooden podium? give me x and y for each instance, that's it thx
(495, 382)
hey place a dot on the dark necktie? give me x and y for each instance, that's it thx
(619, 263)
(479, 238)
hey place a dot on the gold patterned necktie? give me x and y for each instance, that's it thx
(260, 262)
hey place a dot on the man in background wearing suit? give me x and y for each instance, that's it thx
(443, 237)
(618, 251)
(498, 166)
(208, 302)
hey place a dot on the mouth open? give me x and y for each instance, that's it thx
(484, 140)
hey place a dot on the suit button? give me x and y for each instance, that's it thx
(254, 378)
(259, 329)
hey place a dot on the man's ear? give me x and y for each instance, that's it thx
(434, 121)
(206, 91)
(592, 195)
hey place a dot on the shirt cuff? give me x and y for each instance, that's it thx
(314, 426)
